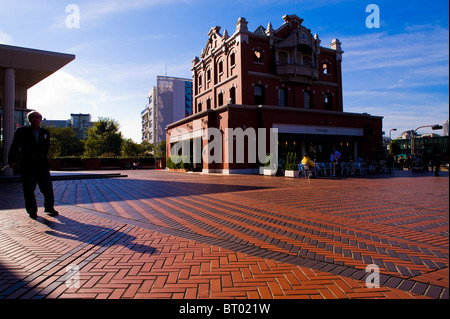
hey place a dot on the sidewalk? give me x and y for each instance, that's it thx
(157, 234)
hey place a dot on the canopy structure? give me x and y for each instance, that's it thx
(20, 69)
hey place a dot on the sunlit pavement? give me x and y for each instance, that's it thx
(160, 234)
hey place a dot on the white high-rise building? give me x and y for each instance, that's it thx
(169, 101)
(445, 128)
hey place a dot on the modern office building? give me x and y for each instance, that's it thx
(81, 123)
(20, 69)
(55, 123)
(282, 80)
(169, 101)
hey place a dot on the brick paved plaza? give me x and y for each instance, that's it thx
(159, 234)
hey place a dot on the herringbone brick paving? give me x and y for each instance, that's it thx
(160, 234)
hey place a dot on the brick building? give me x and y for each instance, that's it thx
(281, 79)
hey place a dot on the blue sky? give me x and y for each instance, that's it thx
(399, 71)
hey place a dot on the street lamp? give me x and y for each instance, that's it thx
(392, 129)
(433, 127)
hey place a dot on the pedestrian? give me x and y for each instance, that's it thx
(334, 159)
(436, 159)
(390, 162)
(28, 151)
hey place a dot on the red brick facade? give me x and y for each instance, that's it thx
(281, 79)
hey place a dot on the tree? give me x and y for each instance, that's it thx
(160, 151)
(64, 142)
(394, 148)
(147, 148)
(130, 148)
(103, 138)
(55, 147)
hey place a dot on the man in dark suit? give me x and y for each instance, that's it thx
(29, 151)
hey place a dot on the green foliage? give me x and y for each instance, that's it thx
(269, 160)
(129, 148)
(55, 148)
(394, 148)
(104, 140)
(178, 162)
(147, 148)
(64, 142)
(104, 137)
(109, 155)
(160, 151)
(291, 161)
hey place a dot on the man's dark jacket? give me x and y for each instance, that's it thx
(29, 153)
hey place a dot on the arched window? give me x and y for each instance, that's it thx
(220, 99)
(232, 63)
(208, 78)
(233, 95)
(199, 107)
(328, 102)
(325, 68)
(232, 59)
(208, 104)
(283, 97)
(308, 100)
(259, 95)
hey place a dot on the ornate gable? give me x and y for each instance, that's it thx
(215, 40)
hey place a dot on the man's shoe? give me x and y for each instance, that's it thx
(52, 212)
(33, 216)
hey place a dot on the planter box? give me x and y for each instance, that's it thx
(269, 172)
(66, 164)
(92, 163)
(55, 164)
(291, 173)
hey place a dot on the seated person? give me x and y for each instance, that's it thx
(312, 166)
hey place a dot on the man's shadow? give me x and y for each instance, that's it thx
(99, 236)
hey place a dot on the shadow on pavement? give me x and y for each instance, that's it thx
(96, 235)
(107, 190)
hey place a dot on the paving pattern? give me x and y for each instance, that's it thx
(158, 234)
